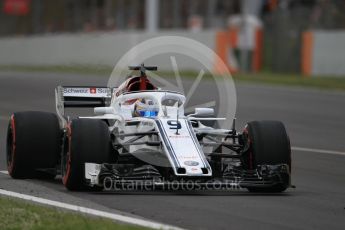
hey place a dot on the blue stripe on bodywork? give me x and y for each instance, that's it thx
(202, 156)
(167, 143)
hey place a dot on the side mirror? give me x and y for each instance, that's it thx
(203, 112)
(103, 110)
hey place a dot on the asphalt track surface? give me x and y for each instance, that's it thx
(314, 119)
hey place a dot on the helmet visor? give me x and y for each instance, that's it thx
(143, 113)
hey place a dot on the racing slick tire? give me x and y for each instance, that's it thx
(33, 145)
(268, 144)
(87, 140)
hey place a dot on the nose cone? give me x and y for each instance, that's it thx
(194, 171)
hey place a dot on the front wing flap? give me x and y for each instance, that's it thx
(109, 175)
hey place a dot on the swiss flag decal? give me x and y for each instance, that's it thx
(93, 90)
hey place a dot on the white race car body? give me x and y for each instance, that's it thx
(168, 145)
(140, 133)
(179, 143)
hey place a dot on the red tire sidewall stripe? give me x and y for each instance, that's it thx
(68, 170)
(13, 127)
(251, 163)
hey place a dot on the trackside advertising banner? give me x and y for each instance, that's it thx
(16, 7)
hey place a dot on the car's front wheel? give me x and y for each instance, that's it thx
(268, 144)
(86, 141)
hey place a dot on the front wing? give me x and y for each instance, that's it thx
(112, 177)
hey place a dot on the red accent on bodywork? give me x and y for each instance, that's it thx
(134, 83)
(143, 82)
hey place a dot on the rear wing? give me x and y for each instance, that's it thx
(80, 97)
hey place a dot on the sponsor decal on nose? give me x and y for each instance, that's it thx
(191, 163)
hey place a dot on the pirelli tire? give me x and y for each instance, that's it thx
(268, 143)
(33, 145)
(86, 141)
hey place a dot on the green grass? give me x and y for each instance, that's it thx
(79, 69)
(18, 214)
(319, 82)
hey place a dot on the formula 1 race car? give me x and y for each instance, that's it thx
(140, 133)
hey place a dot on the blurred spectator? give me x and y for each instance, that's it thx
(195, 23)
(42, 16)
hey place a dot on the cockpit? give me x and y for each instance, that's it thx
(150, 103)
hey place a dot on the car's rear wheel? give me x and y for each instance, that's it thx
(268, 144)
(33, 145)
(87, 141)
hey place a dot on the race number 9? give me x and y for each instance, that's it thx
(174, 124)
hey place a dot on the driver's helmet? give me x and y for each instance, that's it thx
(145, 108)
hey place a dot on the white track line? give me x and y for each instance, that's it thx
(123, 218)
(317, 150)
(113, 216)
